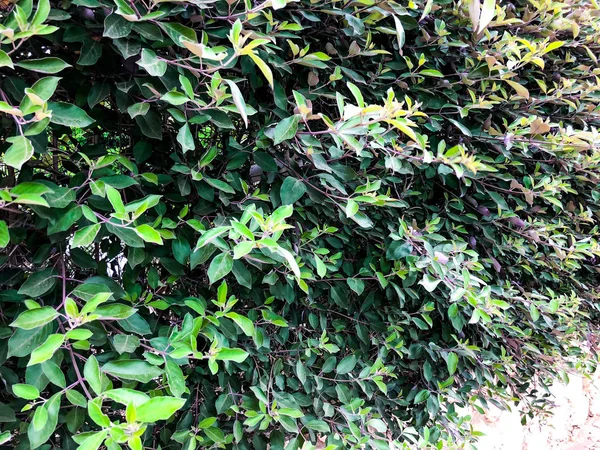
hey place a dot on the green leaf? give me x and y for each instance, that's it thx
(318, 425)
(90, 53)
(24, 341)
(150, 124)
(93, 441)
(238, 100)
(42, 12)
(47, 349)
(44, 65)
(175, 379)
(286, 129)
(429, 282)
(138, 109)
(35, 318)
(116, 27)
(432, 73)
(19, 152)
(115, 311)
(5, 60)
(127, 396)
(93, 376)
(30, 199)
(4, 234)
(224, 403)
(25, 391)
(219, 267)
(398, 250)
(231, 354)
(85, 236)
(115, 199)
(149, 234)
(69, 115)
(220, 185)
(153, 65)
(126, 343)
(452, 362)
(291, 191)
(290, 412)
(134, 370)
(463, 129)
(185, 138)
(422, 396)
(98, 93)
(487, 14)
(96, 414)
(39, 437)
(40, 417)
(264, 68)
(76, 398)
(346, 365)
(54, 374)
(499, 199)
(158, 408)
(244, 323)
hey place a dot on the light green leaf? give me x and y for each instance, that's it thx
(114, 197)
(38, 437)
(231, 354)
(210, 235)
(34, 318)
(40, 417)
(149, 234)
(19, 152)
(93, 376)
(85, 236)
(158, 408)
(4, 234)
(45, 351)
(132, 369)
(25, 391)
(400, 35)
(175, 379)
(238, 99)
(5, 60)
(318, 425)
(244, 323)
(93, 441)
(127, 396)
(266, 70)
(44, 65)
(452, 362)
(487, 14)
(30, 199)
(96, 414)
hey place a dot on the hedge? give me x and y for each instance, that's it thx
(292, 224)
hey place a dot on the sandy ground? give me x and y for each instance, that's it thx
(574, 425)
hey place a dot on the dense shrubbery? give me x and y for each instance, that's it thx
(229, 224)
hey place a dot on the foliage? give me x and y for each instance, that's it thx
(228, 224)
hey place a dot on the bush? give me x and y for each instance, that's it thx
(232, 224)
